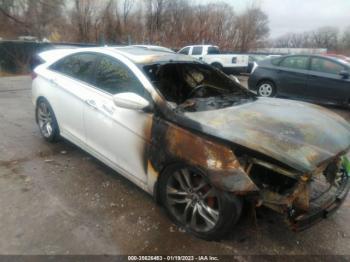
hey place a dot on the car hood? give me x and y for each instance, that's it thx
(297, 134)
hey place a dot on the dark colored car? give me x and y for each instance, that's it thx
(316, 78)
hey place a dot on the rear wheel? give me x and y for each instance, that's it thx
(266, 89)
(193, 203)
(47, 121)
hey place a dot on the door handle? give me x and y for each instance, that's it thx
(108, 109)
(52, 81)
(91, 103)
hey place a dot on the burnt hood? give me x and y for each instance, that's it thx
(298, 134)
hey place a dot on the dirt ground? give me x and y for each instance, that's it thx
(56, 199)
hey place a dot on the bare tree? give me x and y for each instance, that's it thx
(127, 7)
(33, 17)
(325, 37)
(346, 39)
(172, 23)
(253, 28)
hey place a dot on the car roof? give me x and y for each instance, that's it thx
(336, 59)
(137, 55)
(149, 56)
(204, 46)
(154, 47)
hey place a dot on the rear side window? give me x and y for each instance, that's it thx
(185, 51)
(197, 50)
(326, 66)
(276, 61)
(79, 66)
(115, 77)
(213, 50)
(295, 62)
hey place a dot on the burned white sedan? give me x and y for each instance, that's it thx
(194, 138)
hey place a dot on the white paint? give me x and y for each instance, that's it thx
(91, 119)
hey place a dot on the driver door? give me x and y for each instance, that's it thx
(325, 84)
(118, 135)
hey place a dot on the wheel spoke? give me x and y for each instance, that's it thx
(48, 128)
(214, 214)
(201, 185)
(186, 211)
(176, 192)
(181, 182)
(209, 221)
(210, 193)
(174, 201)
(45, 108)
(186, 175)
(194, 217)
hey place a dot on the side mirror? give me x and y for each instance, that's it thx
(131, 101)
(345, 74)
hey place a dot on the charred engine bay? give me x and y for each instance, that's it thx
(212, 103)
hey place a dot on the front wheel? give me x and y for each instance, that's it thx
(266, 89)
(193, 203)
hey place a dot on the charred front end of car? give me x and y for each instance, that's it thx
(283, 155)
(302, 198)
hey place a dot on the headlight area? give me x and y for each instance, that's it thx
(302, 199)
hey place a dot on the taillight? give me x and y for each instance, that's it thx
(34, 75)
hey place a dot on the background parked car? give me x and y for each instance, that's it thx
(155, 48)
(315, 78)
(254, 59)
(342, 57)
(229, 63)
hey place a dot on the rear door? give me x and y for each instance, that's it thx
(325, 84)
(197, 52)
(292, 75)
(70, 77)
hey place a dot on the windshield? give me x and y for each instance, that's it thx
(195, 86)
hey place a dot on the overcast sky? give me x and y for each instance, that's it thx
(299, 15)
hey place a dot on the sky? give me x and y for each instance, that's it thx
(299, 15)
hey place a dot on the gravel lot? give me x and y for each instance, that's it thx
(56, 199)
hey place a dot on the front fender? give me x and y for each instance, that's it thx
(217, 160)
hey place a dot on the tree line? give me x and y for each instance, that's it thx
(327, 37)
(172, 23)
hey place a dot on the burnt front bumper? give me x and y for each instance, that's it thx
(321, 211)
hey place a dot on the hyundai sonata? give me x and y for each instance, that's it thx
(193, 137)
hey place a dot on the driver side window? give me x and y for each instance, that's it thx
(113, 77)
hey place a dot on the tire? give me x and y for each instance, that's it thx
(218, 66)
(197, 206)
(266, 89)
(46, 121)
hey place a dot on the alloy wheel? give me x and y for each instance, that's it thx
(45, 119)
(192, 200)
